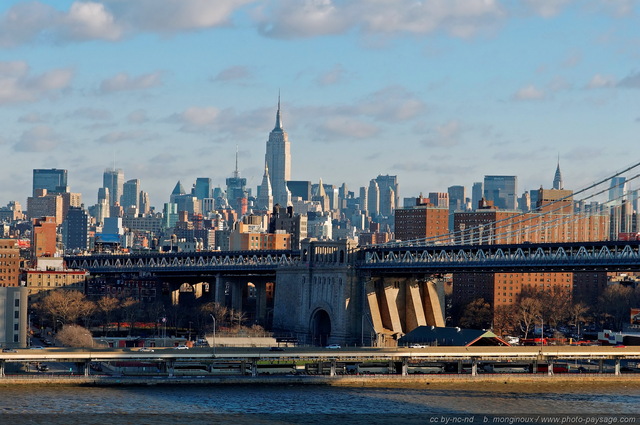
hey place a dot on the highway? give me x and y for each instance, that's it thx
(317, 353)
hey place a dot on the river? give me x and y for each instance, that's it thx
(307, 403)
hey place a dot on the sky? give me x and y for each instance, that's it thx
(437, 92)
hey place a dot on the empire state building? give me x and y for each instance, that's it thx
(278, 159)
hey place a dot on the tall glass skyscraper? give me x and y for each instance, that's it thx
(502, 191)
(54, 180)
(113, 179)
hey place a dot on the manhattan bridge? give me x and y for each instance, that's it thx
(340, 292)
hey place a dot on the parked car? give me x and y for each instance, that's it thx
(145, 350)
(417, 346)
(182, 347)
(8, 350)
(333, 346)
(276, 349)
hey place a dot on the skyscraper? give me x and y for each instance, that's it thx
(389, 199)
(113, 179)
(75, 228)
(131, 193)
(265, 197)
(476, 195)
(278, 159)
(202, 189)
(502, 191)
(617, 190)
(373, 199)
(236, 189)
(54, 180)
(557, 178)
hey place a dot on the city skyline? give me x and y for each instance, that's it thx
(437, 93)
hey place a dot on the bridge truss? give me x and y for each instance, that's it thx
(552, 257)
(246, 261)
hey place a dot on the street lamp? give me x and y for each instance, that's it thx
(213, 341)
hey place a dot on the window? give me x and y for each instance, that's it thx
(17, 302)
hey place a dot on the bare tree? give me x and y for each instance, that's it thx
(578, 313)
(130, 307)
(505, 320)
(615, 303)
(528, 311)
(219, 311)
(74, 336)
(106, 305)
(64, 305)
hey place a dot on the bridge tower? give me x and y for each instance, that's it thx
(326, 298)
(319, 299)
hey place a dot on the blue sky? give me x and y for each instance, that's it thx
(438, 92)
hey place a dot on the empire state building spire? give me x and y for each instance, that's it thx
(278, 117)
(278, 159)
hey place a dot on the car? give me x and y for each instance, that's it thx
(145, 350)
(182, 347)
(333, 346)
(417, 346)
(36, 347)
(276, 349)
(8, 350)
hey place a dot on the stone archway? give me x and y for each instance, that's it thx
(320, 327)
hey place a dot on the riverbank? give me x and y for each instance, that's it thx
(370, 381)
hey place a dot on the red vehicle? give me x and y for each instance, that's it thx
(534, 341)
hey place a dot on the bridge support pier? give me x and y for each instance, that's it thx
(550, 367)
(171, 367)
(459, 367)
(600, 366)
(254, 368)
(333, 368)
(243, 367)
(87, 368)
(534, 367)
(2, 364)
(617, 368)
(405, 366)
(474, 367)
(219, 290)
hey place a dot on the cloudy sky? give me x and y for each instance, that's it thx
(438, 92)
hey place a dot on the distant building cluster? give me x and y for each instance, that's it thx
(281, 213)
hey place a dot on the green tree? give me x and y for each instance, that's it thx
(477, 315)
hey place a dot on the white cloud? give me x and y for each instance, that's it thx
(17, 85)
(40, 138)
(529, 92)
(445, 135)
(174, 15)
(138, 116)
(310, 18)
(394, 103)
(90, 20)
(23, 22)
(342, 126)
(547, 8)
(32, 118)
(334, 76)
(233, 73)
(122, 136)
(124, 82)
(599, 81)
(94, 114)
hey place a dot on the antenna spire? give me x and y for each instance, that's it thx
(236, 173)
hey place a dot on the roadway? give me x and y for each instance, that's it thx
(344, 354)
